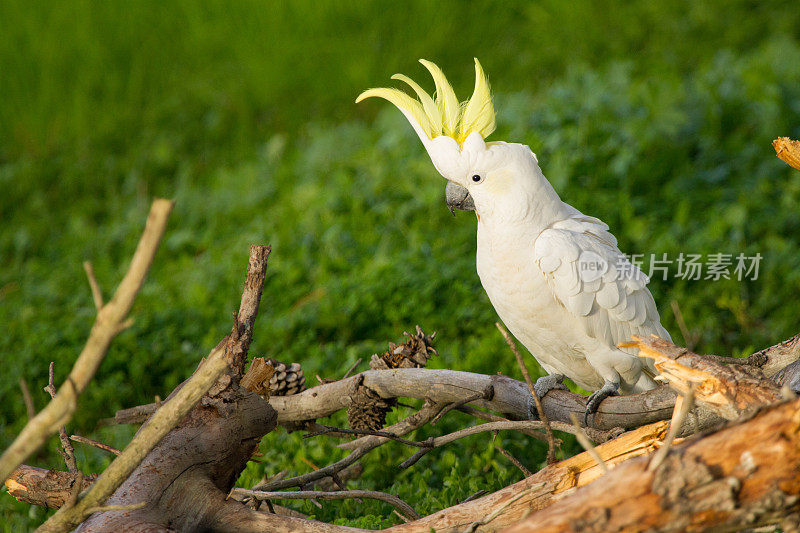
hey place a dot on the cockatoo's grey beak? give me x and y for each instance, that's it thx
(457, 197)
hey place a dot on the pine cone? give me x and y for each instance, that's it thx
(287, 379)
(367, 409)
(413, 353)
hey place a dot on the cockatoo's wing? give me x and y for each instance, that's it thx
(595, 282)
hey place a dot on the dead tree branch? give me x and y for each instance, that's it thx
(511, 397)
(740, 477)
(551, 440)
(231, 350)
(109, 322)
(66, 451)
(391, 499)
(47, 488)
(94, 443)
(788, 150)
(543, 488)
(727, 390)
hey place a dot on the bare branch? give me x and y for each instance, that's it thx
(61, 409)
(587, 444)
(689, 337)
(177, 406)
(352, 367)
(97, 294)
(491, 417)
(320, 429)
(66, 450)
(30, 409)
(485, 395)
(436, 442)
(683, 405)
(366, 444)
(402, 506)
(727, 390)
(551, 441)
(99, 445)
(48, 488)
(514, 460)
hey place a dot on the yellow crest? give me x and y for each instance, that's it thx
(443, 115)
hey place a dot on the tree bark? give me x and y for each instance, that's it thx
(744, 476)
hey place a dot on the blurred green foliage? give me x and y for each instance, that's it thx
(655, 117)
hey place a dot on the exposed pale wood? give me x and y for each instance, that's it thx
(729, 390)
(544, 487)
(788, 150)
(47, 488)
(744, 476)
(257, 377)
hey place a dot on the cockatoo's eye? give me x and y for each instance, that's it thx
(477, 178)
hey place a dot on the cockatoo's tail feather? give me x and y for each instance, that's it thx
(444, 115)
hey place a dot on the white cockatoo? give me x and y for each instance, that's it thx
(554, 275)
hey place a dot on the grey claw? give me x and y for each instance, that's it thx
(609, 388)
(545, 384)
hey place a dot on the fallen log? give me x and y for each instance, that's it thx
(744, 476)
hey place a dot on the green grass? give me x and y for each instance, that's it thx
(656, 118)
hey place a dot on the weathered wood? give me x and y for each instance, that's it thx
(729, 390)
(545, 486)
(511, 397)
(47, 488)
(197, 462)
(788, 150)
(744, 476)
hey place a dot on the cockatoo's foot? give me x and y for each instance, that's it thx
(545, 384)
(609, 388)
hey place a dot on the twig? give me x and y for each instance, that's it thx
(90, 442)
(513, 460)
(106, 327)
(436, 442)
(332, 495)
(30, 409)
(485, 395)
(365, 445)
(474, 496)
(97, 294)
(491, 417)
(352, 367)
(683, 405)
(688, 337)
(75, 491)
(66, 451)
(320, 429)
(175, 408)
(309, 463)
(404, 427)
(551, 440)
(521, 494)
(587, 444)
